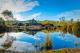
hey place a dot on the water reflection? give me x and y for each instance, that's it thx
(34, 39)
(1, 35)
(9, 41)
(31, 32)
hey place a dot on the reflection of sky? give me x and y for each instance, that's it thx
(16, 45)
(58, 41)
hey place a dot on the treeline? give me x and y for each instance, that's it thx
(72, 28)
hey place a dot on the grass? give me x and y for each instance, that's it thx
(65, 50)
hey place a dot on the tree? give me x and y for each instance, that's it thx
(2, 22)
(69, 28)
(72, 20)
(64, 28)
(63, 18)
(8, 16)
(76, 32)
(7, 13)
(76, 29)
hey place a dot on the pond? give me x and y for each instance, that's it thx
(23, 41)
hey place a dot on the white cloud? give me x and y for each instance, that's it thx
(34, 37)
(22, 46)
(35, 15)
(17, 5)
(18, 17)
(24, 18)
(19, 35)
(69, 14)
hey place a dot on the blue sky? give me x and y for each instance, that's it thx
(42, 9)
(51, 8)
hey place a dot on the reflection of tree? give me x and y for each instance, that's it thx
(31, 32)
(45, 31)
(76, 43)
(36, 44)
(8, 42)
(62, 34)
(1, 35)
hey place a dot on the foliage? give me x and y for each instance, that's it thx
(48, 43)
(7, 13)
(76, 29)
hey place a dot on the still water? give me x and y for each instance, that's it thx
(24, 41)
